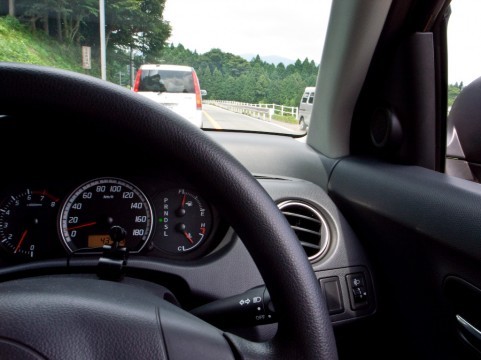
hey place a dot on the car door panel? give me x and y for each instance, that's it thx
(420, 228)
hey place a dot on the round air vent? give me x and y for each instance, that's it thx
(309, 225)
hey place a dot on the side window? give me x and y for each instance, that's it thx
(304, 97)
(311, 98)
(463, 148)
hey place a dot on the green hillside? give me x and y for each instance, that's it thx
(19, 44)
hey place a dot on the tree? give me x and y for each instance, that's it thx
(215, 59)
(137, 24)
(35, 13)
(68, 15)
(230, 88)
(281, 70)
(217, 83)
(292, 89)
(74, 16)
(453, 92)
(257, 61)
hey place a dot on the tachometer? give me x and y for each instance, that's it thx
(27, 222)
(94, 208)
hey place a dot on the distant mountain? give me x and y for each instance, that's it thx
(271, 59)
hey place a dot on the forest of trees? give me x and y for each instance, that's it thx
(230, 77)
(136, 33)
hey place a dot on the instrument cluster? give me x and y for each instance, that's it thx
(161, 218)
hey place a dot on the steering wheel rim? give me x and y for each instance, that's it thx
(305, 330)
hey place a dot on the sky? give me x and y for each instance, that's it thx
(264, 22)
(464, 45)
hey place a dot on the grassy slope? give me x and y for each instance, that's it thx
(18, 44)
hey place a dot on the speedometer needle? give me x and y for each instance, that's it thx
(19, 245)
(82, 226)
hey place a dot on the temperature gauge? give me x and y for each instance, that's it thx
(184, 221)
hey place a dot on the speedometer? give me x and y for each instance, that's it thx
(96, 207)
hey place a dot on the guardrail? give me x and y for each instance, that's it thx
(256, 110)
(284, 110)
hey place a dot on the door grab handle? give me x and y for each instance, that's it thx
(469, 328)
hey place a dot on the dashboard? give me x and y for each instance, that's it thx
(57, 217)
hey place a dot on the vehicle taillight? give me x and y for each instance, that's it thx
(137, 80)
(198, 97)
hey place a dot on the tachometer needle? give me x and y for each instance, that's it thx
(187, 235)
(183, 201)
(82, 225)
(19, 245)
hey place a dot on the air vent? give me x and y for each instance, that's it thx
(309, 225)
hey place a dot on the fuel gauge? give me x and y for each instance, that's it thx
(27, 222)
(184, 221)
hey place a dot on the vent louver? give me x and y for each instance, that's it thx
(309, 225)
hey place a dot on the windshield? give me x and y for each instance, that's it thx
(165, 81)
(252, 62)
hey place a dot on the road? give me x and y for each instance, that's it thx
(214, 117)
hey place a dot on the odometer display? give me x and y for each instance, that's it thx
(90, 212)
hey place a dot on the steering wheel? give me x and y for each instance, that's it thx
(91, 318)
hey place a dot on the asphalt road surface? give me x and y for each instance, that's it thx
(214, 117)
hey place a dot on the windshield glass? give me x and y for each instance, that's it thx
(172, 81)
(252, 62)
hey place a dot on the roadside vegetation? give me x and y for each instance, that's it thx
(453, 92)
(18, 43)
(286, 119)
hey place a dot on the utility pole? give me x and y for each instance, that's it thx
(132, 79)
(11, 7)
(103, 56)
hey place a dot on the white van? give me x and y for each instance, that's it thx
(305, 107)
(174, 86)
